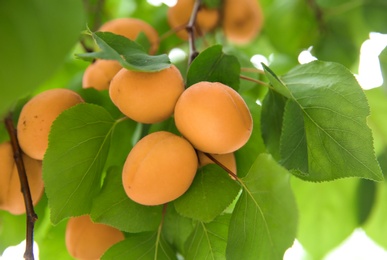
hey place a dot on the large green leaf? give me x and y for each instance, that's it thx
(129, 53)
(72, 166)
(36, 36)
(325, 134)
(215, 66)
(209, 195)
(208, 240)
(146, 246)
(327, 213)
(246, 155)
(377, 99)
(113, 207)
(264, 222)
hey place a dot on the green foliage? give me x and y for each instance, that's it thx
(34, 43)
(313, 126)
(128, 53)
(268, 205)
(214, 65)
(76, 154)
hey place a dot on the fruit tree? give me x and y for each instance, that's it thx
(143, 130)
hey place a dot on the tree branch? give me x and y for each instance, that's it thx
(193, 53)
(223, 166)
(31, 216)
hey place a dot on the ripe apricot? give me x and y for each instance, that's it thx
(147, 97)
(99, 74)
(159, 168)
(11, 197)
(242, 20)
(179, 15)
(37, 117)
(131, 28)
(88, 240)
(227, 160)
(213, 117)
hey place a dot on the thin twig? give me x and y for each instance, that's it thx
(254, 70)
(254, 80)
(193, 53)
(223, 166)
(31, 216)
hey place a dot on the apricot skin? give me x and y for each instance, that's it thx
(99, 74)
(37, 117)
(159, 169)
(88, 240)
(147, 97)
(179, 15)
(131, 28)
(11, 197)
(242, 20)
(213, 117)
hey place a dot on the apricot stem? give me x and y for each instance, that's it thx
(25, 188)
(254, 80)
(223, 166)
(191, 31)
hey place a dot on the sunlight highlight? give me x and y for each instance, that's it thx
(160, 2)
(17, 252)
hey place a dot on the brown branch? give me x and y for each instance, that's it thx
(193, 53)
(223, 166)
(31, 216)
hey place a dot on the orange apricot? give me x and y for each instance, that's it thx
(131, 28)
(37, 116)
(88, 240)
(242, 20)
(213, 117)
(99, 74)
(159, 168)
(11, 196)
(227, 160)
(179, 15)
(147, 97)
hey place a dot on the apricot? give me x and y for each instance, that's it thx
(213, 117)
(131, 28)
(227, 160)
(147, 97)
(159, 168)
(99, 74)
(11, 196)
(242, 20)
(179, 15)
(88, 240)
(37, 117)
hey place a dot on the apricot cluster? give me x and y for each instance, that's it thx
(212, 118)
(241, 21)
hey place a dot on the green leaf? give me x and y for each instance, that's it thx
(247, 154)
(176, 229)
(325, 134)
(214, 65)
(209, 195)
(129, 53)
(35, 42)
(276, 82)
(12, 229)
(273, 107)
(264, 222)
(208, 240)
(327, 213)
(375, 15)
(72, 166)
(147, 246)
(377, 99)
(113, 207)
